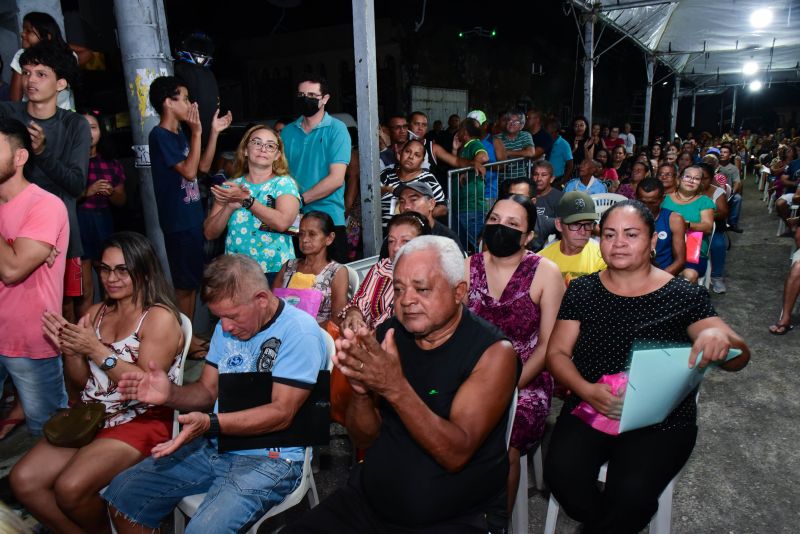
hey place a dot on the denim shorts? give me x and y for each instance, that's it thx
(40, 387)
(239, 489)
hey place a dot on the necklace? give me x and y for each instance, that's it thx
(683, 198)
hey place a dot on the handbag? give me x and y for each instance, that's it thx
(76, 426)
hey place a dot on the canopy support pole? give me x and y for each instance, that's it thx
(694, 105)
(368, 125)
(588, 65)
(733, 107)
(648, 99)
(673, 114)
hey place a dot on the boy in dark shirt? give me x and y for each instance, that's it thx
(175, 161)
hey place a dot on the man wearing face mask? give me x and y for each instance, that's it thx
(317, 147)
(575, 253)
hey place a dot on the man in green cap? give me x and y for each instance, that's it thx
(576, 254)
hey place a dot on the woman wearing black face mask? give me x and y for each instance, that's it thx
(520, 293)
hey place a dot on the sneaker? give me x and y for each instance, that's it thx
(718, 285)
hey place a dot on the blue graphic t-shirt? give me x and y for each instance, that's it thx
(290, 346)
(178, 199)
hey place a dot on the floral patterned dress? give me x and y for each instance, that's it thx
(100, 388)
(518, 317)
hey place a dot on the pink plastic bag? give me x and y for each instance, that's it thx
(592, 417)
(694, 243)
(308, 300)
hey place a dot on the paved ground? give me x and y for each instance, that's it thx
(742, 476)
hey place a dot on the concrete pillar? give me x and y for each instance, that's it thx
(673, 117)
(588, 66)
(733, 107)
(694, 105)
(367, 102)
(648, 100)
(144, 45)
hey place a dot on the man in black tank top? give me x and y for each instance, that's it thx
(430, 404)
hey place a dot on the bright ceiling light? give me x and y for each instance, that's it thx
(750, 68)
(756, 85)
(760, 18)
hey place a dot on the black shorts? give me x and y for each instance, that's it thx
(185, 257)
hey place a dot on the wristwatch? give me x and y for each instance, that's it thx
(248, 202)
(109, 362)
(213, 429)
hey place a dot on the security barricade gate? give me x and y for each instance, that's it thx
(471, 195)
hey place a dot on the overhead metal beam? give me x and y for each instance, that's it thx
(367, 101)
(642, 3)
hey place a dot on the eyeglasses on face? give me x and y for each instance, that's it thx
(308, 95)
(120, 270)
(585, 226)
(514, 121)
(399, 127)
(268, 146)
(690, 178)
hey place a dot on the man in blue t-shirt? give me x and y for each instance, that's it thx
(670, 251)
(257, 332)
(174, 163)
(317, 148)
(560, 155)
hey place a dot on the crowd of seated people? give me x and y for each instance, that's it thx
(432, 347)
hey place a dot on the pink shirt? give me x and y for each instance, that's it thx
(35, 214)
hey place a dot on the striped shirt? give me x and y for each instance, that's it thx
(390, 178)
(522, 141)
(375, 296)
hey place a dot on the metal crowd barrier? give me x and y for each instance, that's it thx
(471, 196)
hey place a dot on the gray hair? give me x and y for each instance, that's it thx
(232, 276)
(451, 261)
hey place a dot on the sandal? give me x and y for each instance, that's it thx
(5, 423)
(780, 329)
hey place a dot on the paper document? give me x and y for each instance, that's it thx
(658, 380)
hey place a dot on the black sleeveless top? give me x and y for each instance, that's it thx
(402, 482)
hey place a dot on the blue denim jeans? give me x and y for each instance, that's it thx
(718, 253)
(735, 209)
(470, 225)
(40, 387)
(239, 489)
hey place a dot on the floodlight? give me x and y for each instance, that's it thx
(760, 18)
(750, 68)
(756, 85)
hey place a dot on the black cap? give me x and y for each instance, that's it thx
(423, 188)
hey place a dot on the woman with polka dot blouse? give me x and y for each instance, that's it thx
(650, 305)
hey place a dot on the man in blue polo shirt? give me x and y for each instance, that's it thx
(318, 150)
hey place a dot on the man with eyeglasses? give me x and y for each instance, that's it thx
(575, 253)
(174, 163)
(514, 142)
(318, 149)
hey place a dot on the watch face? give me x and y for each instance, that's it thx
(109, 363)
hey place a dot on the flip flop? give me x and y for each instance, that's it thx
(13, 422)
(780, 329)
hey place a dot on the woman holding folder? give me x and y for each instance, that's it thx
(650, 306)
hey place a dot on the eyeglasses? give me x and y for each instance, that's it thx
(308, 95)
(585, 226)
(666, 174)
(399, 127)
(121, 271)
(269, 146)
(690, 178)
(515, 122)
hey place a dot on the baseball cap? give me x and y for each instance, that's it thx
(713, 150)
(576, 206)
(228, 154)
(423, 188)
(478, 115)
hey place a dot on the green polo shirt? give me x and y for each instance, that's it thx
(310, 156)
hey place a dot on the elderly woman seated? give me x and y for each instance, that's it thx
(373, 302)
(137, 327)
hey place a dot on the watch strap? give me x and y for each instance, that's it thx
(213, 429)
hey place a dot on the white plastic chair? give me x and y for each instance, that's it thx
(661, 523)
(781, 224)
(352, 281)
(706, 281)
(603, 201)
(188, 505)
(362, 266)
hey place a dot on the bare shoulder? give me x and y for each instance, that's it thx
(160, 321)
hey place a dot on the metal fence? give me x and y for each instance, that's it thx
(471, 196)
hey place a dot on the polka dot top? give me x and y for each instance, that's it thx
(610, 324)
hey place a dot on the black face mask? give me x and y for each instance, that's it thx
(501, 240)
(308, 106)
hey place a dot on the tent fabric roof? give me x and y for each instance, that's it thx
(698, 38)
